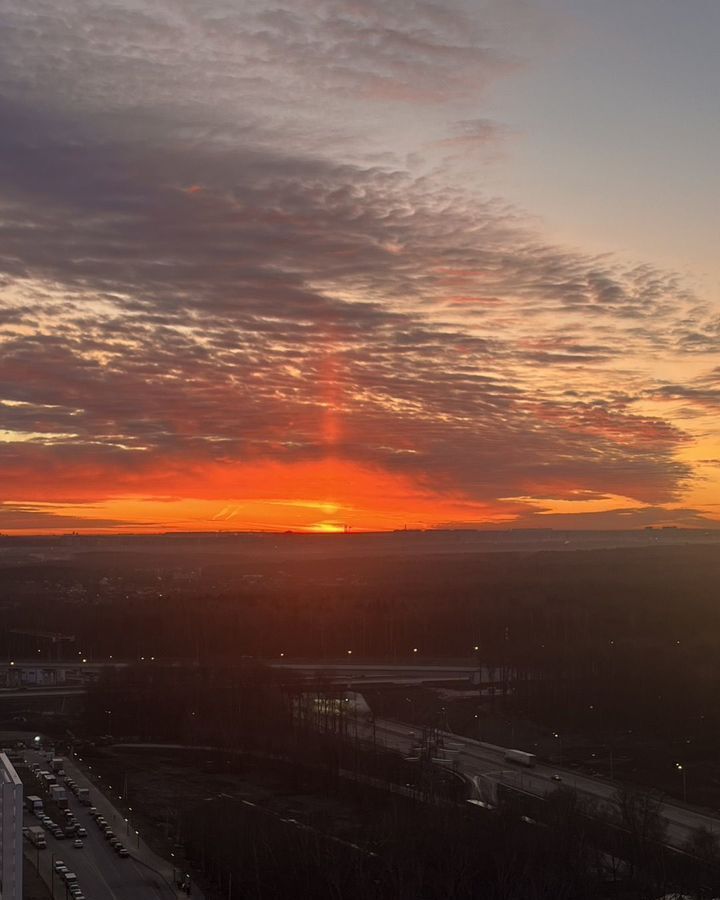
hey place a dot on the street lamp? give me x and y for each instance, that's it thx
(681, 770)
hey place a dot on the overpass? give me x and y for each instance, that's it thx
(358, 674)
(32, 673)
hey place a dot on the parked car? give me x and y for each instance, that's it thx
(78, 844)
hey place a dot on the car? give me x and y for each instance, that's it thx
(68, 813)
(122, 852)
(109, 835)
(59, 834)
(93, 811)
(59, 864)
(556, 778)
(78, 844)
(70, 878)
(115, 843)
(81, 832)
(26, 832)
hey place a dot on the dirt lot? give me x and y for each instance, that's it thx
(159, 785)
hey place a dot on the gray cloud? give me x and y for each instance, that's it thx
(47, 517)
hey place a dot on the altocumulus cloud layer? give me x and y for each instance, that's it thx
(220, 251)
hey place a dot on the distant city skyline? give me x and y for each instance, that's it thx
(329, 264)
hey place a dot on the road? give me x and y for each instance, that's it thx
(486, 767)
(102, 874)
(34, 693)
(397, 673)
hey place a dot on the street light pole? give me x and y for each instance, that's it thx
(559, 740)
(681, 770)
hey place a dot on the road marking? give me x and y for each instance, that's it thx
(102, 878)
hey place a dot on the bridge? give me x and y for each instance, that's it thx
(33, 673)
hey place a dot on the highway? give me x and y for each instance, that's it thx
(486, 767)
(405, 673)
(30, 694)
(102, 874)
(22, 677)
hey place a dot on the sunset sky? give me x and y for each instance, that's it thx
(369, 263)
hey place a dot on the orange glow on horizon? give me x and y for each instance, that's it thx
(321, 497)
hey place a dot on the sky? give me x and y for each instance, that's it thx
(334, 265)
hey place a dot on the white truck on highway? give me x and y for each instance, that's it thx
(58, 795)
(520, 757)
(33, 803)
(36, 836)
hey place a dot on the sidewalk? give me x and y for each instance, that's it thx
(125, 832)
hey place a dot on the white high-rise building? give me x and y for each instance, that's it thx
(11, 838)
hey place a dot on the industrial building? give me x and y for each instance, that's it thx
(11, 837)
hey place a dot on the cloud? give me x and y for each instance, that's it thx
(203, 269)
(622, 519)
(46, 517)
